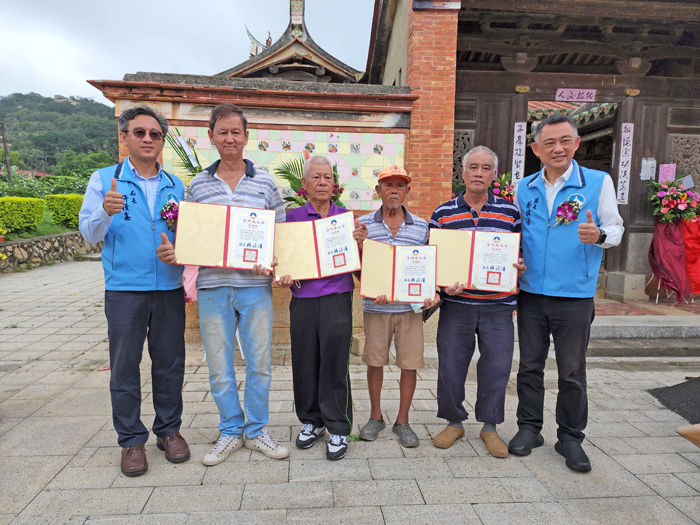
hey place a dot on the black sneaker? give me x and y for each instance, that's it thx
(337, 447)
(308, 435)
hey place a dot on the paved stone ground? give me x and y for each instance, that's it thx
(59, 462)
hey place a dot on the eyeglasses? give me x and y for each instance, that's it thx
(140, 133)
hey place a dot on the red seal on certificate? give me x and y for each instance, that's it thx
(250, 255)
(414, 290)
(493, 278)
(339, 260)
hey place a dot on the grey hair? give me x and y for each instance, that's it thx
(316, 159)
(557, 118)
(477, 149)
(131, 113)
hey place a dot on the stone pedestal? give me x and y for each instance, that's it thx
(625, 287)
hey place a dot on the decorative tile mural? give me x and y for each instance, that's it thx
(360, 156)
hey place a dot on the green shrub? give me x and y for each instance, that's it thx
(39, 188)
(64, 209)
(21, 213)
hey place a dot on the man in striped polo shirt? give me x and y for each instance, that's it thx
(393, 224)
(464, 313)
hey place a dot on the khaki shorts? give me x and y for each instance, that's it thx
(407, 331)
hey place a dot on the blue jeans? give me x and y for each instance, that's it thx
(220, 310)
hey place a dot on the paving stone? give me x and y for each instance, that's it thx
(292, 495)
(656, 463)
(690, 478)
(668, 485)
(607, 479)
(430, 514)
(526, 490)
(688, 506)
(381, 448)
(463, 490)
(82, 457)
(248, 517)
(85, 478)
(488, 467)
(6, 423)
(661, 414)
(523, 514)
(657, 429)
(166, 474)
(246, 472)
(51, 520)
(612, 446)
(39, 392)
(79, 402)
(384, 492)
(661, 445)
(49, 436)
(409, 468)
(140, 519)
(194, 498)
(324, 470)
(343, 515)
(24, 477)
(622, 430)
(7, 518)
(99, 501)
(616, 511)
(21, 407)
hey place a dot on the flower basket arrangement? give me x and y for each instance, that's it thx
(674, 254)
(502, 187)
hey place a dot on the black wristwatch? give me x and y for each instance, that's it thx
(602, 237)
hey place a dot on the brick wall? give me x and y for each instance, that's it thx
(432, 57)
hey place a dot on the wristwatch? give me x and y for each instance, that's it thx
(602, 237)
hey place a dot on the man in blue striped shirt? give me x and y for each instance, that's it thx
(464, 313)
(393, 224)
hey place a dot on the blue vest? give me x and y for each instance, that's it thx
(558, 263)
(129, 250)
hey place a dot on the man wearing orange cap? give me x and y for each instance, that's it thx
(393, 224)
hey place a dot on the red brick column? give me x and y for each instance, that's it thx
(430, 72)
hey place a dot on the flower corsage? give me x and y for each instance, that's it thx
(169, 214)
(567, 212)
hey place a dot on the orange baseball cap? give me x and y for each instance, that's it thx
(394, 171)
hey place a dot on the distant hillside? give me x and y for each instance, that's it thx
(42, 130)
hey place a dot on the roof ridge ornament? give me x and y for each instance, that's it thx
(296, 14)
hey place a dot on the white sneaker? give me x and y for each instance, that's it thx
(337, 447)
(223, 448)
(267, 445)
(308, 435)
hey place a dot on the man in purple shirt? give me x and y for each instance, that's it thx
(321, 329)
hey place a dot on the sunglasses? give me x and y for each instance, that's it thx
(140, 133)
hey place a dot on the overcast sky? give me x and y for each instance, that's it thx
(52, 47)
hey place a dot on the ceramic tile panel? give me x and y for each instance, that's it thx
(359, 156)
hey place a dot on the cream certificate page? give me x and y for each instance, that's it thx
(414, 273)
(492, 266)
(337, 249)
(251, 238)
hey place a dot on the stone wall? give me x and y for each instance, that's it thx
(42, 250)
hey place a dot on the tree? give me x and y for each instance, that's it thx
(15, 160)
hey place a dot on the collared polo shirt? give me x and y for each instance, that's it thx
(413, 231)
(257, 189)
(498, 215)
(326, 285)
(149, 186)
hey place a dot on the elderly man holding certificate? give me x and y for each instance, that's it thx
(230, 299)
(393, 225)
(473, 309)
(320, 315)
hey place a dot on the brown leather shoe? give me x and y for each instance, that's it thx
(175, 446)
(134, 461)
(691, 433)
(495, 445)
(448, 436)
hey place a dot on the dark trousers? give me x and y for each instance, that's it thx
(321, 334)
(493, 326)
(569, 321)
(131, 318)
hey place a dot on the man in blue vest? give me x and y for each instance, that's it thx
(144, 298)
(569, 215)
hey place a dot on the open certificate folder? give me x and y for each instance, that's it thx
(478, 260)
(405, 274)
(224, 236)
(314, 249)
